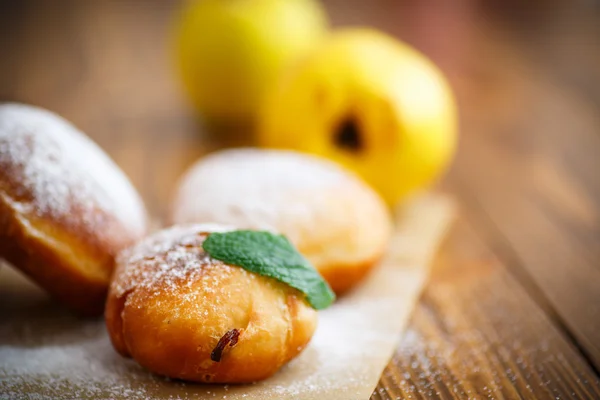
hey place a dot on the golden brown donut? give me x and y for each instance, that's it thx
(334, 219)
(65, 208)
(172, 307)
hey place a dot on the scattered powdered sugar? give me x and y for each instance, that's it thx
(59, 170)
(74, 359)
(68, 366)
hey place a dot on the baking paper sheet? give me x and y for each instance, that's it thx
(45, 353)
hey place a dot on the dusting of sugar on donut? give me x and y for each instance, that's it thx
(259, 189)
(54, 171)
(170, 260)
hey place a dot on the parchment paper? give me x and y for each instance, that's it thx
(47, 354)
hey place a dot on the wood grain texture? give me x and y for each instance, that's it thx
(537, 187)
(478, 334)
(527, 79)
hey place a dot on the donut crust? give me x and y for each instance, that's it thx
(67, 247)
(182, 314)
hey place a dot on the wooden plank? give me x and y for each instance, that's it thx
(532, 174)
(476, 333)
(554, 35)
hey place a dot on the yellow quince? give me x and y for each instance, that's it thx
(371, 103)
(231, 51)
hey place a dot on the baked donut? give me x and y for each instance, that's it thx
(334, 219)
(65, 208)
(183, 314)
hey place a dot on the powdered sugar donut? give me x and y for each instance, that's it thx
(339, 223)
(181, 313)
(66, 209)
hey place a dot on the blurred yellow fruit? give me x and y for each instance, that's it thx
(230, 51)
(370, 103)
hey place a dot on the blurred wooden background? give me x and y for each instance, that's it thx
(513, 306)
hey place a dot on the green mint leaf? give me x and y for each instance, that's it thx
(271, 255)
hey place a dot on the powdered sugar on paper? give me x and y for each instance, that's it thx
(48, 355)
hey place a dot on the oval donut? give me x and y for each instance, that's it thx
(66, 209)
(334, 219)
(180, 313)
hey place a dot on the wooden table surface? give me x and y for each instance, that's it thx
(512, 309)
